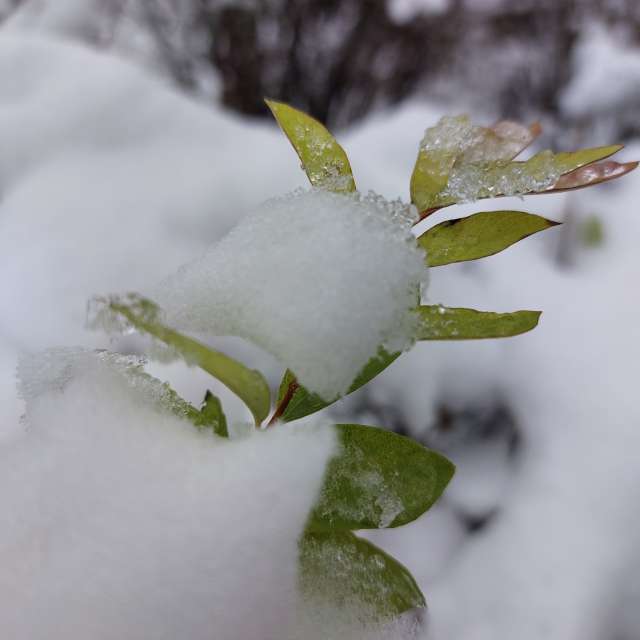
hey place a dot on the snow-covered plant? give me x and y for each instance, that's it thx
(329, 282)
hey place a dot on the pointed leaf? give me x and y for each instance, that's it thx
(211, 415)
(378, 479)
(592, 174)
(571, 160)
(143, 314)
(323, 159)
(479, 235)
(456, 323)
(297, 402)
(341, 570)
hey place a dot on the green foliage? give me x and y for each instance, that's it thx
(378, 479)
(455, 323)
(479, 235)
(212, 415)
(323, 159)
(143, 314)
(342, 570)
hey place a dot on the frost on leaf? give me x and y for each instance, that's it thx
(461, 162)
(53, 369)
(135, 312)
(487, 179)
(378, 479)
(323, 159)
(302, 277)
(456, 142)
(353, 577)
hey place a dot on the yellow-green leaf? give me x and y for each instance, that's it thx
(430, 176)
(456, 323)
(323, 159)
(143, 314)
(570, 160)
(479, 235)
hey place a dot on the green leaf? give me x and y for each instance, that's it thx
(344, 571)
(571, 160)
(323, 159)
(378, 479)
(211, 415)
(143, 314)
(300, 402)
(479, 235)
(456, 323)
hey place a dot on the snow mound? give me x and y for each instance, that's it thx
(119, 520)
(317, 279)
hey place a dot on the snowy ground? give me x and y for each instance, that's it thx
(110, 180)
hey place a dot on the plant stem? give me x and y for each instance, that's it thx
(284, 403)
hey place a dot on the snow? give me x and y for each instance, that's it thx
(121, 521)
(110, 180)
(273, 280)
(125, 182)
(120, 144)
(606, 74)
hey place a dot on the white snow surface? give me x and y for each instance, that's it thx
(119, 521)
(320, 280)
(110, 180)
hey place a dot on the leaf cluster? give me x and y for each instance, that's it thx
(377, 478)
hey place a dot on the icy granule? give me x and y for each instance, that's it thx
(451, 134)
(317, 279)
(478, 160)
(52, 370)
(457, 135)
(472, 181)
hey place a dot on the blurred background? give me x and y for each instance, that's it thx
(134, 134)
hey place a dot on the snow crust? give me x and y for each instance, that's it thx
(319, 280)
(119, 520)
